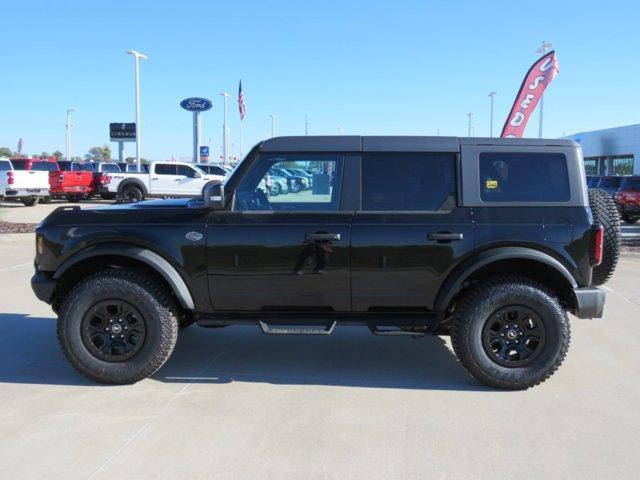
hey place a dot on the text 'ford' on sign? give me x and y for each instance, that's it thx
(196, 104)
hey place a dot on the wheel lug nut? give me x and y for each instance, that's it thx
(126, 328)
(111, 320)
(113, 336)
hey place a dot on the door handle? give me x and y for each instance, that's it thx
(154, 178)
(442, 236)
(322, 236)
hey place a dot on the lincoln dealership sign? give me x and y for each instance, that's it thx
(196, 104)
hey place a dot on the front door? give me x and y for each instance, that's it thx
(288, 252)
(410, 232)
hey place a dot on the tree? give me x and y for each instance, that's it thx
(57, 154)
(5, 152)
(99, 154)
(45, 155)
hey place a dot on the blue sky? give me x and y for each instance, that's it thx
(371, 67)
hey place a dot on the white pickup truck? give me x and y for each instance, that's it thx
(164, 179)
(28, 186)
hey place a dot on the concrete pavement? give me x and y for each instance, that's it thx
(233, 403)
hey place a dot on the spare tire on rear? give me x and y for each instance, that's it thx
(605, 213)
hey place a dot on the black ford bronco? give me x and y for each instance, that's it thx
(490, 241)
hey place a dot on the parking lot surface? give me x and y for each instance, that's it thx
(233, 403)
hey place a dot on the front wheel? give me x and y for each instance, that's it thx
(118, 326)
(510, 333)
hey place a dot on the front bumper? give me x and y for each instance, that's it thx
(589, 302)
(43, 285)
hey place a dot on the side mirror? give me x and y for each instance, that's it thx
(213, 193)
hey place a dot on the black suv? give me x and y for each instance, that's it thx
(491, 241)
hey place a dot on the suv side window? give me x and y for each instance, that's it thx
(523, 177)
(165, 169)
(270, 186)
(408, 181)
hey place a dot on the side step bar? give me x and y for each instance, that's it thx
(298, 330)
(396, 331)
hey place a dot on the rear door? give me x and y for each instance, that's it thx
(164, 179)
(410, 232)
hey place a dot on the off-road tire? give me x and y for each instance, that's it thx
(29, 201)
(132, 194)
(154, 303)
(605, 213)
(475, 308)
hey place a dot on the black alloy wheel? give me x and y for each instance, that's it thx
(513, 336)
(113, 330)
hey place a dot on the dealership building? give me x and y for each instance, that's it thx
(613, 151)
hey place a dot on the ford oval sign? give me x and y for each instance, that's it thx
(196, 104)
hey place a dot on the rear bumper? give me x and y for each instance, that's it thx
(589, 302)
(65, 190)
(26, 192)
(43, 285)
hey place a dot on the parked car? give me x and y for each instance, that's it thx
(212, 169)
(100, 178)
(628, 199)
(72, 180)
(610, 184)
(165, 179)
(400, 250)
(27, 186)
(127, 167)
(296, 183)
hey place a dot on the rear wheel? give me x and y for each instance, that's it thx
(29, 201)
(117, 326)
(605, 213)
(132, 193)
(510, 333)
(46, 199)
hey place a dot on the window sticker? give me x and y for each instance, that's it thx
(491, 184)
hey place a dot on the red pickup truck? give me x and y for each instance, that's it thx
(72, 180)
(628, 199)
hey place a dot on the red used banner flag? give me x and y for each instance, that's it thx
(535, 82)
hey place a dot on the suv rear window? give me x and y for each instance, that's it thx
(408, 181)
(523, 177)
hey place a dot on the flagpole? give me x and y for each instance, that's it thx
(241, 139)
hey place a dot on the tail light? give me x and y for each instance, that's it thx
(598, 241)
(104, 179)
(60, 179)
(10, 178)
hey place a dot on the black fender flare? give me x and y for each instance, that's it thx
(453, 284)
(144, 255)
(132, 181)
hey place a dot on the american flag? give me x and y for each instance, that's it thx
(241, 106)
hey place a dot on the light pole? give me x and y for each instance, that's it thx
(68, 131)
(273, 125)
(306, 125)
(470, 114)
(340, 130)
(544, 48)
(225, 145)
(137, 56)
(492, 94)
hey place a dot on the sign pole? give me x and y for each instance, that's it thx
(121, 152)
(196, 127)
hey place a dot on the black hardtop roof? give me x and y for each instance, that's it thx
(353, 143)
